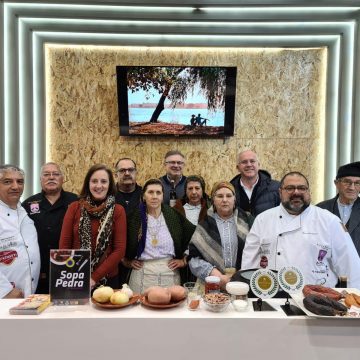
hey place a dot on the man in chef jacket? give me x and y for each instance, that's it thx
(19, 250)
(296, 233)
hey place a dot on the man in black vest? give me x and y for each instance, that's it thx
(254, 188)
(128, 195)
(174, 163)
(128, 191)
(47, 209)
(346, 204)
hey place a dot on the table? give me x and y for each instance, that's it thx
(136, 332)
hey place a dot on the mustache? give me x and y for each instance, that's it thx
(295, 197)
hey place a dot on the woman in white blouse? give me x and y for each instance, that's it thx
(218, 241)
(157, 238)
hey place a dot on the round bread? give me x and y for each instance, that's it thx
(159, 296)
(177, 293)
(146, 292)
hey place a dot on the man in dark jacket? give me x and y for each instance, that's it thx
(346, 204)
(254, 188)
(128, 195)
(128, 191)
(47, 209)
(174, 163)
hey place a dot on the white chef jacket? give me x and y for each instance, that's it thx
(315, 242)
(19, 251)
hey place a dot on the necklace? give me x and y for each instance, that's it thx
(154, 229)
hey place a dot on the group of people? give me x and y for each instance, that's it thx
(198, 120)
(134, 235)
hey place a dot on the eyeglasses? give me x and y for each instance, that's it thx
(300, 189)
(348, 182)
(51, 173)
(129, 170)
(175, 163)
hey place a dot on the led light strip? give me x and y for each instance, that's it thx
(19, 24)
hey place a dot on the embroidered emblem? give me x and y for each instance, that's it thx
(321, 255)
(264, 262)
(8, 257)
(34, 208)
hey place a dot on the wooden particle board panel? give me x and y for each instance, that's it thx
(280, 101)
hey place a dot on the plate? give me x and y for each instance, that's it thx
(291, 279)
(133, 300)
(146, 303)
(61, 257)
(298, 298)
(264, 283)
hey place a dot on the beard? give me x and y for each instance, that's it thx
(296, 209)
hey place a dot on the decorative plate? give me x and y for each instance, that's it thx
(264, 283)
(290, 279)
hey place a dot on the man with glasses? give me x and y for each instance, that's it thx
(255, 190)
(128, 191)
(19, 250)
(346, 204)
(174, 163)
(47, 209)
(298, 234)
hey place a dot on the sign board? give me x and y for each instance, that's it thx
(69, 276)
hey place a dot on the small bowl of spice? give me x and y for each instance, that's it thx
(216, 302)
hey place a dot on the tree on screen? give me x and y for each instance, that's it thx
(176, 84)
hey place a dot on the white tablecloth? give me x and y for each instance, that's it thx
(136, 332)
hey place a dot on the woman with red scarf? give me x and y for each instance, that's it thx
(95, 222)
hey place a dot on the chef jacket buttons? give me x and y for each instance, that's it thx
(279, 253)
(280, 216)
(280, 234)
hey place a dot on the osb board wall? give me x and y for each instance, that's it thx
(279, 112)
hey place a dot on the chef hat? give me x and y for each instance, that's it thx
(352, 169)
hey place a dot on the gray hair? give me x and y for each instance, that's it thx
(50, 163)
(9, 167)
(247, 150)
(174, 152)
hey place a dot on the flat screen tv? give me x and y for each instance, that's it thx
(187, 101)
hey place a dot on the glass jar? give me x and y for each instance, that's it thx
(212, 284)
(239, 294)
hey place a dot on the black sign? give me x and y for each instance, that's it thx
(70, 277)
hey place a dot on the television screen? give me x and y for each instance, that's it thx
(176, 100)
